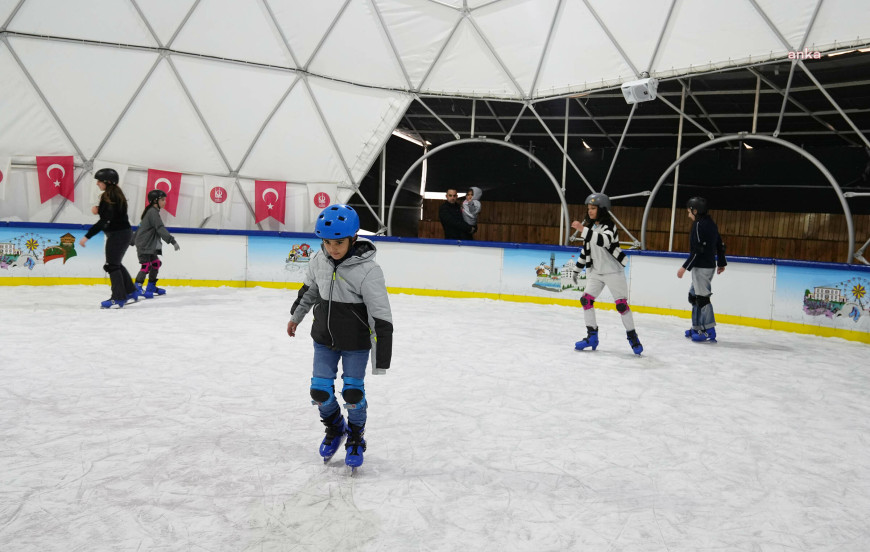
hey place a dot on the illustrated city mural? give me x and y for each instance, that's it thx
(27, 250)
(847, 298)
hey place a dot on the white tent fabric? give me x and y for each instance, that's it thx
(300, 91)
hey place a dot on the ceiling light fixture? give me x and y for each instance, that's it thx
(413, 139)
(585, 145)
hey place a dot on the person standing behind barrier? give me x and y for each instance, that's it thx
(604, 262)
(148, 247)
(345, 290)
(471, 208)
(706, 256)
(112, 210)
(450, 213)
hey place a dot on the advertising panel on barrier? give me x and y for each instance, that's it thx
(822, 297)
(546, 273)
(36, 252)
(279, 259)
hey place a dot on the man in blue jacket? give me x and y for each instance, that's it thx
(706, 255)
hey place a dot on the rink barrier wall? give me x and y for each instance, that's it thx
(756, 292)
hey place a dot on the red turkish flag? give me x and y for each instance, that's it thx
(269, 200)
(169, 182)
(56, 176)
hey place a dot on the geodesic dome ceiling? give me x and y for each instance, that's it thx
(305, 91)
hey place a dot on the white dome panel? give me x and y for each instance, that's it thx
(162, 131)
(840, 23)
(294, 146)
(304, 24)
(104, 80)
(234, 99)
(165, 16)
(234, 29)
(101, 20)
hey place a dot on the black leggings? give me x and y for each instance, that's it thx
(149, 265)
(117, 243)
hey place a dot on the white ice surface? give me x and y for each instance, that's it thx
(184, 423)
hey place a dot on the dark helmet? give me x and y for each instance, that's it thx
(599, 200)
(155, 195)
(697, 203)
(337, 221)
(109, 176)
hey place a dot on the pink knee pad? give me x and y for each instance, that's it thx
(622, 306)
(156, 264)
(145, 267)
(587, 301)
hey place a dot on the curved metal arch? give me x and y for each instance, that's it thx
(763, 138)
(480, 140)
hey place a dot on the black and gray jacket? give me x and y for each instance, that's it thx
(151, 230)
(349, 302)
(605, 236)
(706, 248)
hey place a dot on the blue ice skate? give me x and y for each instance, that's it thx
(591, 339)
(136, 294)
(690, 332)
(335, 432)
(151, 290)
(355, 446)
(112, 303)
(634, 342)
(705, 335)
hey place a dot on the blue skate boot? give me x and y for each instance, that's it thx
(112, 303)
(690, 332)
(705, 335)
(591, 339)
(355, 446)
(634, 342)
(153, 289)
(335, 432)
(136, 294)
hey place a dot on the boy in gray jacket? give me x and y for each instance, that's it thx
(147, 241)
(345, 290)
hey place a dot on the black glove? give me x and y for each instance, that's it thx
(175, 245)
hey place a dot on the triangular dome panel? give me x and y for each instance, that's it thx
(366, 59)
(840, 24)
(305, 23)
(520, 48)
(165, 16)
(58, 67)
(636, 35)
(6, 7)
(406, 27)
(360, 119)
(103, 20)
(234, 30)
(594, 61)
(688, 46)
(294, 146)
(234, 99)
(162, 131)
(468, 66)
(28, 127)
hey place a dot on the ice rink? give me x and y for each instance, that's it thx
(184, 423)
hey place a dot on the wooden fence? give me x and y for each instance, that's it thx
(802, 236)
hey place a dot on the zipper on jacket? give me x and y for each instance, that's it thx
(329, 307)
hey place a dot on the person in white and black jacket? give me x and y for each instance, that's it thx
(345, 290)
(706, 256)
(604, 262)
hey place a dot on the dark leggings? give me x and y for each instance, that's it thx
(117, 243)
(148, 266)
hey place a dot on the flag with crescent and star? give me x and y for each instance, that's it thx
(269, 200)
(56, 176)
(169, 182)
(5, 167)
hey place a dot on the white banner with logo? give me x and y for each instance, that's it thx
(217, 197)
(320, 196)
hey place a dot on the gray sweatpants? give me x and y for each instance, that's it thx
(615, 282)
(702, 317)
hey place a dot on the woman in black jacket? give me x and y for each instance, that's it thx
(114, 222)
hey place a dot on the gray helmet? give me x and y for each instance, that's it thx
(697, 203)
(600, 200)
(109, 176)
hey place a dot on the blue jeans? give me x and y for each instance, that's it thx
(353, 365)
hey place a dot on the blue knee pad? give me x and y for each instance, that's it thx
(322, 391)
(354, 393)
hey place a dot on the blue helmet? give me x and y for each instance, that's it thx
(336, 222)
